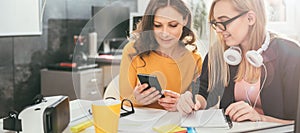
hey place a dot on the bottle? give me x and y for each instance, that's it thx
(93, 44)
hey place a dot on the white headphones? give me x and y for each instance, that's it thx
(232, 55)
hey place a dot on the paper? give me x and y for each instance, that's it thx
(80, 110)
(141, 121)
(205, 118)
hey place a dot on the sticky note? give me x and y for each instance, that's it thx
(171, 128)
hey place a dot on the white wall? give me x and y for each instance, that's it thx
(297, 20)
(142, 5)
(20, 17)
(290, 27)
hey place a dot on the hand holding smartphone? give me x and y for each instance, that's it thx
(151, 80)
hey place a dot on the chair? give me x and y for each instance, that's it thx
(112, 89)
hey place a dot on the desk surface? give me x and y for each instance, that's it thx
(79, 114)
(106, 59)
(79, 109)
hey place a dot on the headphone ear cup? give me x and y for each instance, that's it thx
(254, 58)
(232, 56)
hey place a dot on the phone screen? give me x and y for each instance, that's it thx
(151, 80)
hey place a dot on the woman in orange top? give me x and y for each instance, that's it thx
(160, 49)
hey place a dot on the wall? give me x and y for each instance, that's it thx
(22, 57)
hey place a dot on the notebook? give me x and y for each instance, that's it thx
(213, 118)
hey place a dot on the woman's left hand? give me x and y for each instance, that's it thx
(169, 101)
(241, 111)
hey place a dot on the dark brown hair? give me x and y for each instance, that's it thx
(146, 42)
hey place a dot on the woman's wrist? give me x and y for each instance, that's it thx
(261, 118)
(135, 101)
(266, 118)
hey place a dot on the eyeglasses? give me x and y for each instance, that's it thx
(222, 25)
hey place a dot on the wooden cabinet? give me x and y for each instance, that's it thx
(84, 84)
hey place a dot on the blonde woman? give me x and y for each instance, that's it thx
(257, 71)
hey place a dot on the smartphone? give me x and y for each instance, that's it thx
(151, 80)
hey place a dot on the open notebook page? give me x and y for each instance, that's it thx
(205, 118)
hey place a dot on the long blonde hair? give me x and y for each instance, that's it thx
(217, 68)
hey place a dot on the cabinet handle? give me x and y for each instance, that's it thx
(93, 92)
(93, 80)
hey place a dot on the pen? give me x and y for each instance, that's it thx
(195, 88)
(193, 97)
(228, 121)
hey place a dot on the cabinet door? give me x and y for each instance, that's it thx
(109, 72)
(59, 83)
(91, 86)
